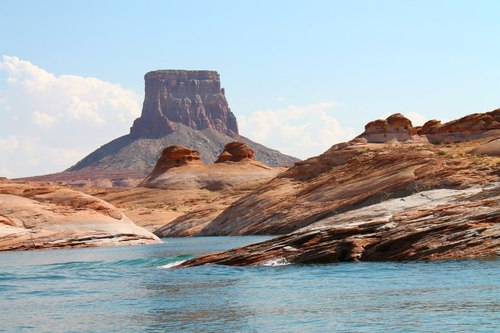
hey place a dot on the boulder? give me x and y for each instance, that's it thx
(236, 152)
(177, 155)
(171, 157)
(395, 127)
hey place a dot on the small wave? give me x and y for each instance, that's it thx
(276, 262)
(172, 264)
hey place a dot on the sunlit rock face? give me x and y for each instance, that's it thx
(236, 152)
(467, 128)
(192, 98)
(395, 127)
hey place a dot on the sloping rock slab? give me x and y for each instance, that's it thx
(463, 225)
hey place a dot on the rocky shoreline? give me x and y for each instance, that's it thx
(430, 225)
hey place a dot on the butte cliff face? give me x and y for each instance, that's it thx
(192, 98)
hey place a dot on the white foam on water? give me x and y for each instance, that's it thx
(172, 264)
(276, 262)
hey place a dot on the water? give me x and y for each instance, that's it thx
(128, 289)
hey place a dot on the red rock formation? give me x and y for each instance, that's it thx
(398, 120)
(473, 122)
(192, 98)
(235, 152)
(178, 155)
(465, 227)
(174, 156)
(38, 215)
(360, 201)
(180, 168)
(340, 179)
(463, 129)
(185, 108)
(396, 127)
(430, 127)
(376, 126)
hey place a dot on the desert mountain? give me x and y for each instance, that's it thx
(181, 108)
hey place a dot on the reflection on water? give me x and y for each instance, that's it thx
(125, 290)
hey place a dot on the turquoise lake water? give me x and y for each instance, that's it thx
(130, 289)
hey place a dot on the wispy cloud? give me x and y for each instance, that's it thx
(301, 131)
(55, 120)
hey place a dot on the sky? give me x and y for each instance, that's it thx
(300, 76)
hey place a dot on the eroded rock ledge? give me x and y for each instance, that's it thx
(399, 128)
(450, 224)
(38, 216)
(394, 193)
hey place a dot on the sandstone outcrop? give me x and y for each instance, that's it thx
(345, 177)
(467, 128)
(175, 156)
(398, 128)
(37, 215)
(395, 127)
(489, 148)
(431, 225)
(180, 170)
(363, 201)
(192, 98)
(235, 152)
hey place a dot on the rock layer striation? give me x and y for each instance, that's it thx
(37, 216)
(447, 225)
(192, 98)
(408, 198)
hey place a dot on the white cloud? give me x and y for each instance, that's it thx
(21, 155)
(300, 131)
(9, 143)
(43, 119)
(56, 120)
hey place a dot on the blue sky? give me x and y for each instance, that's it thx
(299, 75)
